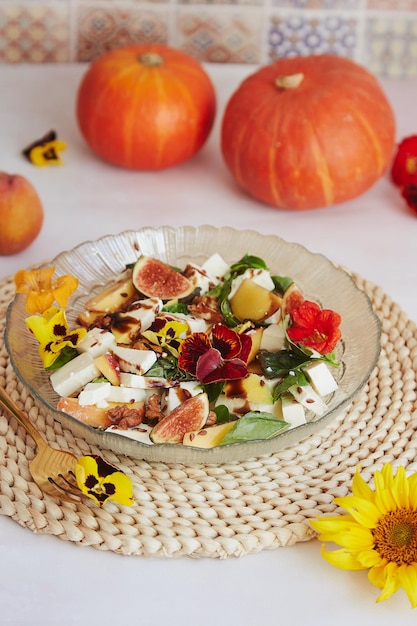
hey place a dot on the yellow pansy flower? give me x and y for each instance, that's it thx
(167, 334)
(52, 332)
(379, 532)
(41, 291)
(101, 481)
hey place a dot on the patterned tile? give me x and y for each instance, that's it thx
(394, 5)
(220, 37)
(391, 46)
(102, 28)
(319, 4)
(297, 34)
(34, 33)
(225, 2)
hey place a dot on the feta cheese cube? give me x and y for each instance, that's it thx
(292, 411)
(321, 378)
(216, 266)
(125, 395)
(134, 361)
(94, 393)
(273, 338)
(72, 376)
(97, 341)
(310, 400)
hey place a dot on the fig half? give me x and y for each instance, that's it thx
(154, 278)
(190, 415)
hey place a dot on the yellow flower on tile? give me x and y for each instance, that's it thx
(101, 481)
(379, 532)
(52, 332)
(42, 291)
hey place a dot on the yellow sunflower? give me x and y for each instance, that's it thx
(379, 533)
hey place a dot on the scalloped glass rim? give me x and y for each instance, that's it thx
(96, 263)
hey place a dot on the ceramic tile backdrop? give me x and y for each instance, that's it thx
(380, 34)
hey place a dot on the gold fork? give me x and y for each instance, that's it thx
(52, 470)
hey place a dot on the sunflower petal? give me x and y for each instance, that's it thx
(392, 582)
(408, 578)
(342, 559)
(363, 511)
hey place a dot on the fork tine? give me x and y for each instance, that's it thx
(65, 489)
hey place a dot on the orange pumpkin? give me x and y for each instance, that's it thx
(308, 132)
(145, 107)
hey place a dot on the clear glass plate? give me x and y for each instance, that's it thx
(98, 263)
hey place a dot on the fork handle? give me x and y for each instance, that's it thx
(7, 403)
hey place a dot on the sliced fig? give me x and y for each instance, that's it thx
(154, 278)
(292, 298)
(189, 416)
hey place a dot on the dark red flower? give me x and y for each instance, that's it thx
(404, 167)
(314, 327)
(217, 358)
(409, 193)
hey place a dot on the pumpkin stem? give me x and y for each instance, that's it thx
(151, 59)
(292, 81)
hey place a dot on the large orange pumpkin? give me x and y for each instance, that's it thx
(308, 132)
(145, 106)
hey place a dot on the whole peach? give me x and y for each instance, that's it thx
(21, 213)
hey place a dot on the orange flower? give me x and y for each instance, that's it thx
(41, 291)
(314, 328)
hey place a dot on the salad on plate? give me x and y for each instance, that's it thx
(202, 356)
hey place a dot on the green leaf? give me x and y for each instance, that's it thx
(222, 414)
(167, 367)
(282, 283)
(246, 262)
(297, 378)
(177, 307)
(276, 364)
(213, 390)
(254, 425)
(66, 355)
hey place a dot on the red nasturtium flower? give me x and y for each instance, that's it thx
(404, 170)
(314, 328)
(404, 167)
(217, 358)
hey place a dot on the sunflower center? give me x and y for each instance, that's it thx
(396, 536)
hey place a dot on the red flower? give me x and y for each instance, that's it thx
(404, 167)
(314, 327)
(409, 193)
(223, 357)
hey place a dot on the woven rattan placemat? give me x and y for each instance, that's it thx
(231, 509)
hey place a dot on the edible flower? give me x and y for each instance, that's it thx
(221, 358)
(52, 332)
(167, 334)
(314, 327)
(45, 151)
(378, 533)
(41, 291)
(101, 481)
(404, 170)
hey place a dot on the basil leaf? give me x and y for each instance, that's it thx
(282, 283)
(254, 425)
(275, 364)
(66, 355)
(167, 367)
(297, 378)
(213, 390)
(177, 307)
(222, 414)
(246, 262)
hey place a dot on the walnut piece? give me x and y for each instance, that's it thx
(207, 308)
(124, 417)
(153, 411)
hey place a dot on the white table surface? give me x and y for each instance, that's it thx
(44, 580)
